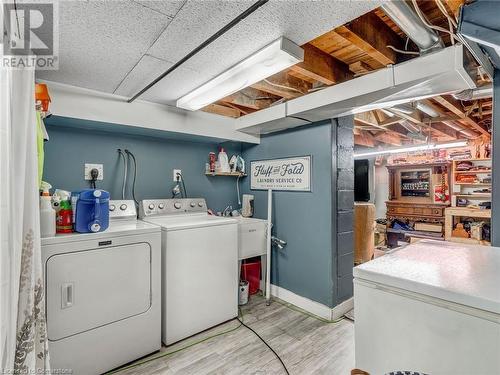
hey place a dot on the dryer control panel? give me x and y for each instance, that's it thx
(122, 209)
(154, 207)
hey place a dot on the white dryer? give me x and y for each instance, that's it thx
(199, 266)
(103, 293)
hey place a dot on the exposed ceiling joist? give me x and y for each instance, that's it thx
(442, 130)
(365, 139)
(222, 110)
(455, 107)
(389, 138)
(360, 68)
(321, 67)
(371, 35)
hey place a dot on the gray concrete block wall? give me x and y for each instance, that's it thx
(343, 207)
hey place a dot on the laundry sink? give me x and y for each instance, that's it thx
(252, 237)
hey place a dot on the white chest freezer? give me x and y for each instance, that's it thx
(432, 307)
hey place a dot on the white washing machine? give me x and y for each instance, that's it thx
(199, 266)
(103, 293)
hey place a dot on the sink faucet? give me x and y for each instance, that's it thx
(278, 242)
(227, 211)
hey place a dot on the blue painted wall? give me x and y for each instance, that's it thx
(303, 219)
(69, 148)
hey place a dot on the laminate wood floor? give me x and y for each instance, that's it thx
(306, 345)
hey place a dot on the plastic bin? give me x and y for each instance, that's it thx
(250, 271)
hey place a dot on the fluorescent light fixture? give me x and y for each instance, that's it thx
(275, 57)
(431, 146)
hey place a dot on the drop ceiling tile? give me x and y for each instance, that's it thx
(164, 92)
(145, 71)
(196, 22)
(101, 41)
(167, 7)
(167, 90)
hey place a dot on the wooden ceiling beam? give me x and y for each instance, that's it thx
(371, 35)
(296, 87)
(455, 107)
(389, 138)
(222, 110)
(321, 67)
(442, 130)
(415, 117)
(360, 68)
(365, 139)
(364, 122)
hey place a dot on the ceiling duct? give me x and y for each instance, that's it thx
(406, 108)
(482, 92)
(427, 109)
(409, 22)
(442, 72)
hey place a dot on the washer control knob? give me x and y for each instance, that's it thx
(112, 207)
(161, 206)
(177, 205)
(123, 207)
(192, 204)
(151, 206)
(200, 204)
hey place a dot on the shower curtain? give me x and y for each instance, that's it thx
(23, 337)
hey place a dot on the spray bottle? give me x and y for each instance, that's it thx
(47, 213)
(64, 215)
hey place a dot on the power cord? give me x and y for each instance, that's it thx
(183, 185)
(135, 175)
(264, 341)
(94, 173)
(122, 155)
(290, 306)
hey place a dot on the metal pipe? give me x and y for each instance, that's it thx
(482, 92)
(219, 33)
(410, 23)
(268, 245)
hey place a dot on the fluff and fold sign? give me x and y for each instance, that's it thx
(292, 174)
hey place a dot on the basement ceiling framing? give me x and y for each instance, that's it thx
(362, 46)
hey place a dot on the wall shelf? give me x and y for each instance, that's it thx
(227, 174)
(475, 196)
(474, 172)
(452, 212)
(473, 183)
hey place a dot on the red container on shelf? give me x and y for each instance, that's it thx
(251, 272)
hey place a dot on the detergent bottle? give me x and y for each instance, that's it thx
(47, 213)
(223, 161)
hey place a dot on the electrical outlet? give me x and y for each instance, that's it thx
(89, 167)
(176, 171)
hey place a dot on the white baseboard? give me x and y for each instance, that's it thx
(311, 306)
(342, 308)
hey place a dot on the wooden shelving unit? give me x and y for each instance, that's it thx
(465, 189)
(227, 174)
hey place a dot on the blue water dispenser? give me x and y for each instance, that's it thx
(92, 211)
